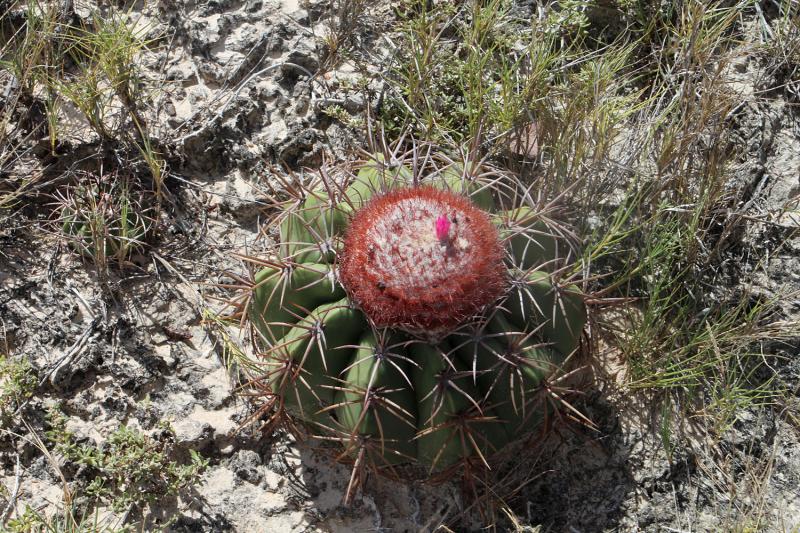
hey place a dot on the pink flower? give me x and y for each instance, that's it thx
(442, 228)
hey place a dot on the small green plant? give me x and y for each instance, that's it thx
(104, 54)
(129, 469)
(107, 77)
(25, 54)
(337, 112)
(421, 317)
(68, 520)
(17, 383)
(570, 19)
(343, 30)
(105, 218)
(233, 357)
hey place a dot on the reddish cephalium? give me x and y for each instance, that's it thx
(422, 259)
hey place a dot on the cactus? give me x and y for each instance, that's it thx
(417, 314)
(103, 217)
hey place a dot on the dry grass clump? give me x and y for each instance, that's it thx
(70, 81)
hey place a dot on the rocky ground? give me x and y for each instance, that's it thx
(135, 350)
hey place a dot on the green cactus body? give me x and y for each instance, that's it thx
(376, 402)
(455, 422)
(282, 296)
(432, 358)
(530, 239)
(312, 354)
(307, 234)
(560, 312)
(508, 387)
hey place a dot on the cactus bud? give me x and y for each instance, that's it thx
(422, 260)
(442, 228)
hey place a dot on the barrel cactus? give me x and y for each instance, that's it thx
(416, 312)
